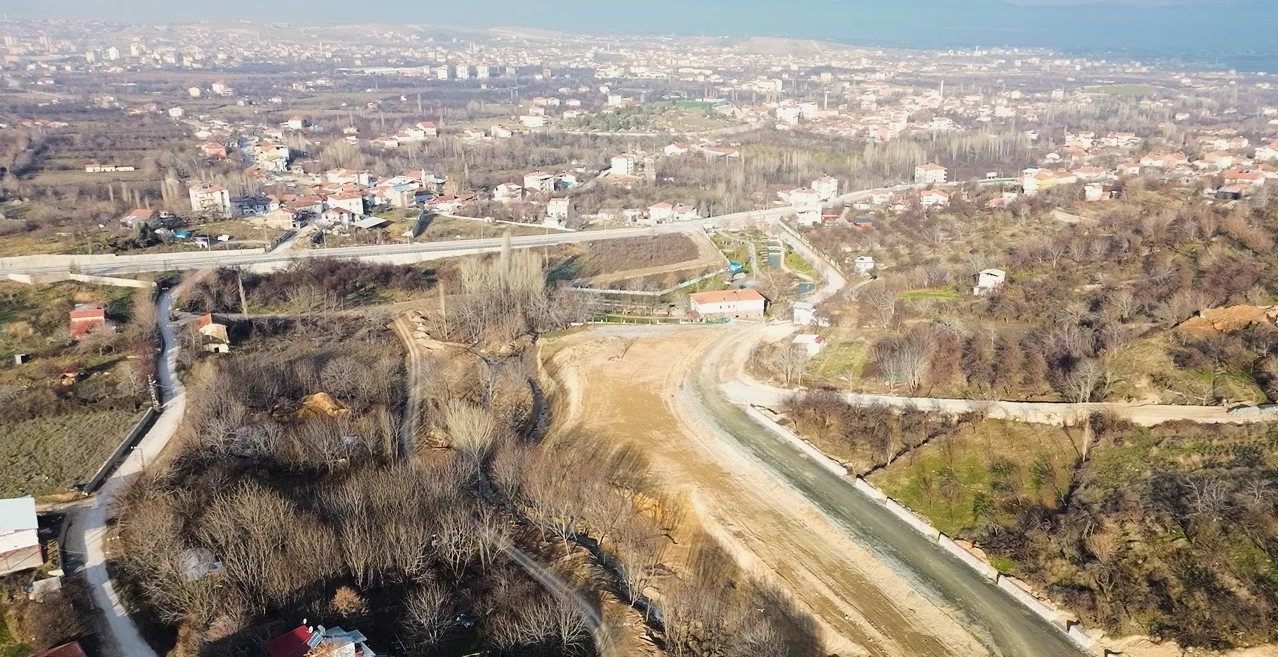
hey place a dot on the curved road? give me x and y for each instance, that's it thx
(89, 525)
(995, 619)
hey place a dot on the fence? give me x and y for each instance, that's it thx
(1010, 585)
(130, 439)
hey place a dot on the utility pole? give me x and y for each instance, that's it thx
(239, 279)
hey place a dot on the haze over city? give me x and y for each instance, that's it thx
(674, 329)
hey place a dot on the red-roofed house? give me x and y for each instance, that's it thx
(741, 304)
(930, 174)
(312, 642)
(86, 319)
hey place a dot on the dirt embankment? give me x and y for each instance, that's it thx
(625, 384)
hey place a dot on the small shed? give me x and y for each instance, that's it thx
(213, 334)
(19, 535)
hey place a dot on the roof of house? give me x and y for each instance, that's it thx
(371, 222)
(931, 167)
(293, 644)
(726, 296)
(72, 649)
(90, 312)
(17, 514)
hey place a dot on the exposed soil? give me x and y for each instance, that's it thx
(624, 384)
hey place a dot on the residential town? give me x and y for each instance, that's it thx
(516, 341)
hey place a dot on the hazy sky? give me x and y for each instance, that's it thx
(1164, 26)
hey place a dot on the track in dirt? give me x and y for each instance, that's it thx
(635, 385)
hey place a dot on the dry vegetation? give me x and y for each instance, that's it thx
(480, 532)
(1079, 299)
(1167, 532)
(61, 434)
(612, 256)
(308, 285)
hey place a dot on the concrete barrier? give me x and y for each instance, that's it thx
(869, 489)
(920, 525)
(971, 560)
(1047, 611)
(1079, 637)
(130, 439)
(112, 280)
(799, 443)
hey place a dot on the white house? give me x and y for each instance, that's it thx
(19, 535)
(660, 213)
(863, 265)
(988, 281)
(507, 193)
(623, 165)
(930, 174)
(934, 198)
(684, 212)
(811, 342)
(352, 201)
(1267, 153)
(826, 188)
(539, 183)
(212, 200)
(804, 313)
(747, 304)
(559, 208)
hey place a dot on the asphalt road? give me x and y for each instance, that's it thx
(89, 525)
(994, 618)
(393, 253)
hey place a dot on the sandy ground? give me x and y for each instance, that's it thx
(625, 386)
(708, 256)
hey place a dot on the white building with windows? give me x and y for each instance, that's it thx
(930, 174)
(211, 200)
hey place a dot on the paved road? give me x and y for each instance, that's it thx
(1006, 627)
(391, 253)
(88, 525)
(749, 391)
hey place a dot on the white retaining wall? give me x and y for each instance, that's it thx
(920, 525)
(112, 280)
(1040, 608)
(1046, 611)
(974, 562)
(803, 445)
(1081, 638)
(865, 487)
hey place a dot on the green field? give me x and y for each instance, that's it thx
(50, 455)
(936, 294)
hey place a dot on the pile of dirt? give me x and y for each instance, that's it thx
(321, 404)
(1227, 320)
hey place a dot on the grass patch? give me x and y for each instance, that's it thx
(842, 361)
(953, 481)
(51, 454)
(934, 294)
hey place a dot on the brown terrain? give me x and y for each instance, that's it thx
(1227, 320)
(708, 257)
(627, 385)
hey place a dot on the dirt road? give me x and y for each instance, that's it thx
(637, 386)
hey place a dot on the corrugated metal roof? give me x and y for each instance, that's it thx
(17, 514)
